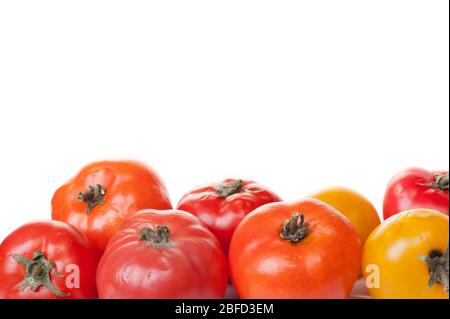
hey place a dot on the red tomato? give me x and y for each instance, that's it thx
(305, 249)
(47, 260)
(416, 188)
(103, 194)
(222, 206)
(162, 254)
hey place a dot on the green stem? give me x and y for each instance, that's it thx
(438, 268)
(93, 196)
(441, 182)
(230, 188)
(37, 273)
(158, 238)
(294, 231)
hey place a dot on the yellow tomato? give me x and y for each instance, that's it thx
(398, 253)
(358, 210)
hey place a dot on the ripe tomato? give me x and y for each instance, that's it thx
(416, 188)
(222, 206)
(103, 194)
(359, 211)
(162, 254)
(407, 256)
(304, 249)
(47, 260)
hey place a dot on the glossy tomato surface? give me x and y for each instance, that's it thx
(398, 253)
(416, 188)
(98, 199)
(47, 260)
(353, 205)
(222, 206)
(163, 254)
(275, 253)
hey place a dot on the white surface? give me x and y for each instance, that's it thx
(359, 291)
(295, 94)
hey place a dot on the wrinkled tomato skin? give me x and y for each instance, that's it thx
(325, 264)
(222, 215)
(60, 243)
(193, 266)
(129, 185)
(406, 191)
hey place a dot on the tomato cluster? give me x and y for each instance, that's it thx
(114, 234)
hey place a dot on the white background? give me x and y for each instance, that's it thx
(297, 95)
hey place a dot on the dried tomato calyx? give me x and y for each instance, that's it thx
(438, 268)
(293, 230)
(37, 273)
(228, 189)
(93, 196)
(441, 182)
(158, 238)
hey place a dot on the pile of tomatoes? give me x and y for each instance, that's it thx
(115, 234)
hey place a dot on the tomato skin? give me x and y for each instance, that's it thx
(60, 243)
(396, 248)
(406, 191)
(222, 214)
(325, 264)
(129, 186)
(357, 208)
(192, 266)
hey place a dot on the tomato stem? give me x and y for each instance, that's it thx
(441, 182)
(37, 273)
(158, 238)
(293, 230)
(438, 268)
(93, 196)
(228, 189)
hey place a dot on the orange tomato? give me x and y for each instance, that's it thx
(407, 256)
(99, 198)
(357, 208)
(304, 249)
